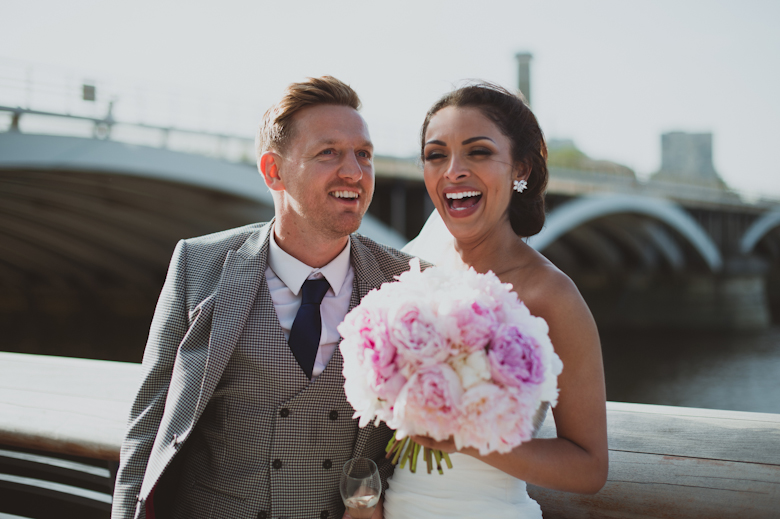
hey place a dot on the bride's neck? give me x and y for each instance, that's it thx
(491, 251)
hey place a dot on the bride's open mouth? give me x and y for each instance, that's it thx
(462, 202)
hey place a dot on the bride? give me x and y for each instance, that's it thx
(485, 169)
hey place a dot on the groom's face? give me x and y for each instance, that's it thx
(328, 170)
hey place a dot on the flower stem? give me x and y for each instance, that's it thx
(400, 449)
(437, 455)
(391, 443)
(414, 456)
(405, 455)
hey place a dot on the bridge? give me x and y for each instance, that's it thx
(87, 226)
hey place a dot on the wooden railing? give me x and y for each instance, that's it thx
(665, 462)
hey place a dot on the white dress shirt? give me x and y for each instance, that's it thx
(286, 274)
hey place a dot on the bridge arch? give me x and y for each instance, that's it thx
(587, 208)
(758, 230)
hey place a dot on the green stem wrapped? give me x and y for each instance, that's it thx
(391, 443)
(447, 459)
(405, 455)
(414, 457)
(437, 456)
(400, 449)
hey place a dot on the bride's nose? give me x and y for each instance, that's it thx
(456, 170)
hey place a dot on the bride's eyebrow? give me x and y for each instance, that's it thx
(467, 141)
(474, 139)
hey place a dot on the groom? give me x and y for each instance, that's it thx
(241, 411)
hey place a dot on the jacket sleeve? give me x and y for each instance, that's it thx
(378, 442)
(168, 328)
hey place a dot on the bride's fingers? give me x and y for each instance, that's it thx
(447, 446)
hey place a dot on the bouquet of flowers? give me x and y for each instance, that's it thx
(447, 353)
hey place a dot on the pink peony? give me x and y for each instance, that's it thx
(476, 321)
(494, 419)
(429, 403)
(414, 330)
(515, 358)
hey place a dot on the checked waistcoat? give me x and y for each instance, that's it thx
(270, 443)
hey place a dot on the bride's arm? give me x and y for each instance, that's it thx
(577, 460)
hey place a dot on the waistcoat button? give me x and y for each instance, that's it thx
(327, 464)
(262, 515)
(284, 413)
(333, 415)
(324, 514)
(277, 464)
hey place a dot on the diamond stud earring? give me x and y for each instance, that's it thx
(520, 185)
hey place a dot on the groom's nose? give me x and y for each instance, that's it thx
(350, 168)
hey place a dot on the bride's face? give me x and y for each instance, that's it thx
(468, 171)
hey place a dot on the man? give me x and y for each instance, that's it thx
(241, 412)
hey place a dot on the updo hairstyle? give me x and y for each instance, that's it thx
(515, 120)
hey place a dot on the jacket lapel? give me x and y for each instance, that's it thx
(242, 274)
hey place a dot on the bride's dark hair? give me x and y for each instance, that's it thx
(515, 120)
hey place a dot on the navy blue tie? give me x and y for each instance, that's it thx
(307, 327)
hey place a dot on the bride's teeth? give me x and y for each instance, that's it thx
(465, 194)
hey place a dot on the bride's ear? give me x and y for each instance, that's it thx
(522, 171)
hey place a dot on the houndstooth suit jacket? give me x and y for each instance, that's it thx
(211, 286)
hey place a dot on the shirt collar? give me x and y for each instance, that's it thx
(294, 272)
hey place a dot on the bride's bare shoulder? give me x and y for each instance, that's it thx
(542, 286)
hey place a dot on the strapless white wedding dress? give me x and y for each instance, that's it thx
(471, 489)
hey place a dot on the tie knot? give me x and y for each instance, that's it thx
(313, 291)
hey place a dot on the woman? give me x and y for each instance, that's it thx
(485, 169)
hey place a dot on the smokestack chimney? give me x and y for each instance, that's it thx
(524, 75)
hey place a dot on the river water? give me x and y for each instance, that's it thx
(716, 370)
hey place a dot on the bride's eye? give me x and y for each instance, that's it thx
(433, 155)
(480, 152)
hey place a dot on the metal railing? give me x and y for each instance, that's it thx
(103, 128)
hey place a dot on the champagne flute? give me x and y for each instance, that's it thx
(360, 487)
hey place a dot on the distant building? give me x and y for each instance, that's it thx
(564, 154)
(687, 158)
(524, 75)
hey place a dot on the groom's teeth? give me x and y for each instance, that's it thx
(464, 194)
(345, 194)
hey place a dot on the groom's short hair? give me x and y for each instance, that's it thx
(276, 130)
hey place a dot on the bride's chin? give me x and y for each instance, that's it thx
(464, 233)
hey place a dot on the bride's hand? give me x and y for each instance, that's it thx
(447, 445)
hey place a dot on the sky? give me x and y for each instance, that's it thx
(611, 75)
